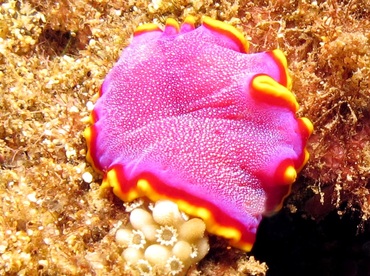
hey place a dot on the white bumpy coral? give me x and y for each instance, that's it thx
(161, 240)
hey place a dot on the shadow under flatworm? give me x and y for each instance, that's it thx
(292, 244)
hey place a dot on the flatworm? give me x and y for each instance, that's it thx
(187, 115)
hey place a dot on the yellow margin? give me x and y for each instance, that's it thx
(227, 30)
(268, 87)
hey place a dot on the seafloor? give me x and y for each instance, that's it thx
(53, 58)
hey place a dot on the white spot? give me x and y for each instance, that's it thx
(32, 197)
(89, 106)
(87, 177)
(73, 109)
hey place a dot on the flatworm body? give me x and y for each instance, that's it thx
(185, 114)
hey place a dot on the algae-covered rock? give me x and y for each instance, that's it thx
(53, 58)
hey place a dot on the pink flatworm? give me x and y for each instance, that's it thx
(185, 114)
